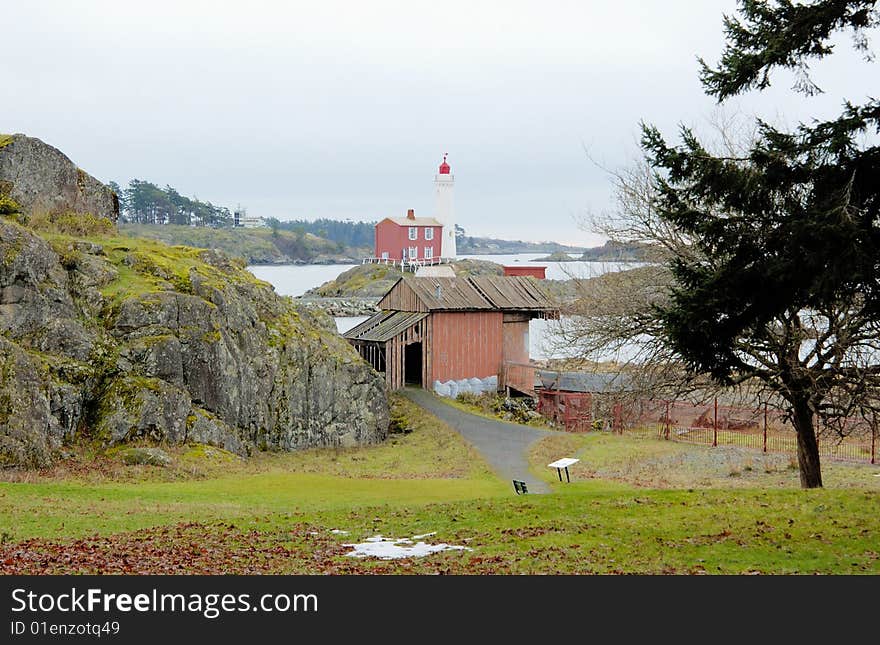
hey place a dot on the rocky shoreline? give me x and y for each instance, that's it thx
(340, 307)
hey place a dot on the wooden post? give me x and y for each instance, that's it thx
(715, 425)
(667, 420)
(873, 437)
(765, 427)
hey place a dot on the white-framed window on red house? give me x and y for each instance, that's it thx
(429, 252)
(413, 252)
(413, 232)
(429, 233)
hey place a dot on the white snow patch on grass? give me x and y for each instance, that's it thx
(419, 537)
(391, 548)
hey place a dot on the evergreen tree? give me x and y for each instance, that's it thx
(781, 284)
(347, 232)
(145, 203)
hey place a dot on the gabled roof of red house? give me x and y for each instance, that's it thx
(416, 221)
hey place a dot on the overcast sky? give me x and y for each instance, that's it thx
(344, 109)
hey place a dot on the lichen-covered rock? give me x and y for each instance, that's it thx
(145, 457)
(42, 179)
(130, 340)
(29, 432)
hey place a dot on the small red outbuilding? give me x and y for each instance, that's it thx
(434, 330)
(533, 271)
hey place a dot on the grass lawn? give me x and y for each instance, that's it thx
(634, 506)
(648, 462)
(429, 464)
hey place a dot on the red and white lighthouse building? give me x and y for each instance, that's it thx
(444, 182)
(421, 240)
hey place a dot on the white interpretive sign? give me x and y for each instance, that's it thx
(561, 464)
(565, 462)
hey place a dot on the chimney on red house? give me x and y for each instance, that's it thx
(410, 214)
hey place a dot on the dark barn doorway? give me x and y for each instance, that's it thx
(412, 361)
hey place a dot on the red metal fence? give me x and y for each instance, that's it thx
(571, 410)
(762, 428)
(709, 423)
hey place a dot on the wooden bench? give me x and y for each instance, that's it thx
(520, 487)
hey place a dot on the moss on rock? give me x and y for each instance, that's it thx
(8, 206)
(172, 344)
(145, 457)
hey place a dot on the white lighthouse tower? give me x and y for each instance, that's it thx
(443, 184)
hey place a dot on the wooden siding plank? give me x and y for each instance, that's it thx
(515, 348)
(401, 297)
(466, 345)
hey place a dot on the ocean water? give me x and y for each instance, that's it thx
(556, 270)
(296, 279)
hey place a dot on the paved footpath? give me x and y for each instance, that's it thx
(504, 445)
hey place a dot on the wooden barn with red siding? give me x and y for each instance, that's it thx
(434, 330)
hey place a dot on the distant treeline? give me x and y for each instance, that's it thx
(143, 202)
(362, 234)
(613, 251)
(489, 245)
(349, 233)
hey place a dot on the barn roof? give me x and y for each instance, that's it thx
(512, 292)
(583, 381)
(384, 325)
(505, 293)
(447, 293)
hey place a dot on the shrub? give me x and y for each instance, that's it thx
(399, 423)
(517, 409)
(470, 399)
(145, 456)
(8, 205)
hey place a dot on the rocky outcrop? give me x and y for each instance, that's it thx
(367, 282)
(342, 307)
(41, 179)
(134, 340)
